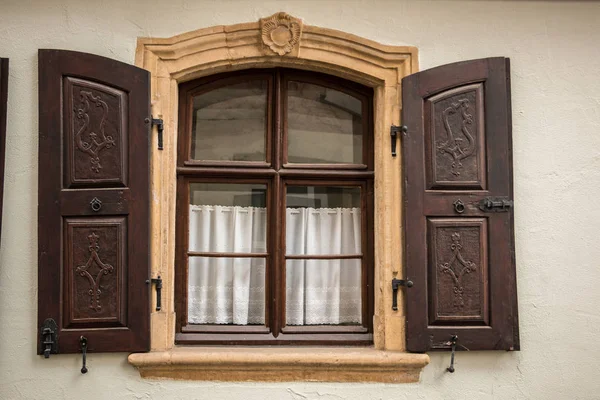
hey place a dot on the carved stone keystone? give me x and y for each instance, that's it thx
(281, 33)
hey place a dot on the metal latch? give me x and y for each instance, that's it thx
(394, 131)
(396, 283)
(158, 282)
(49, 337)
(495, 204)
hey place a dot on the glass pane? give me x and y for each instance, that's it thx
(323, 292)
(323, 220)
(324, 125)
(229, 123)
(226, 291)
(228, 218)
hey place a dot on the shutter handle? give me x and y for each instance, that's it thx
(83, 341)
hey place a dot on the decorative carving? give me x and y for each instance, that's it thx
(104, 269)
(464, 267)
(281, 32)
(97, 140)
(454, 145)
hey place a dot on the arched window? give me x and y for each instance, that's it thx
(274, 242)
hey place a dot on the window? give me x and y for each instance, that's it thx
(274, 209)
(458, 244)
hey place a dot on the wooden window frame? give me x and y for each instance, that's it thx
(277, 174)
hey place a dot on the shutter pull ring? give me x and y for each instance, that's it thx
(83, 341)
(453, 341)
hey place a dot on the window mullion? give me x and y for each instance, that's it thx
(276, 277)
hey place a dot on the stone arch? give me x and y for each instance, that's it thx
(278, 41)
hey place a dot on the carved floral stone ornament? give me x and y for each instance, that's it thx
(281, 32)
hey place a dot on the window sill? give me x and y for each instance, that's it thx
(281, 364)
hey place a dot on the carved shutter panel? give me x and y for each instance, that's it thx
(93, 210)
(3, 105)
(459, 241)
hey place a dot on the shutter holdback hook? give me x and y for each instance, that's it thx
(453, 341)
(83, 341)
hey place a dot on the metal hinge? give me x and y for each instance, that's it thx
(49, 337)
(158, 282)
(396, 283)
(495, 204)
(160, 126)
(394, 131)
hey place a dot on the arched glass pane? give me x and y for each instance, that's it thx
(324, 125)
(229, 123)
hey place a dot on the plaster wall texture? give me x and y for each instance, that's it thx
(556, 118)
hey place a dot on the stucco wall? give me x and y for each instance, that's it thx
(555, 54)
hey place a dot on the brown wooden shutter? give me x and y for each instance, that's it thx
(458, 231)
(93, 204)
(3, 109)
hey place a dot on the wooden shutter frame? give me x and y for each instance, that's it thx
(3, 123)
(54, 66)
(503, 334)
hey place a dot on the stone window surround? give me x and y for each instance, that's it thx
(259, 45)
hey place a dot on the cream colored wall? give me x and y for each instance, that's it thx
(556, 118)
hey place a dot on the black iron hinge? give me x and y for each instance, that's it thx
(394, 131)
(160, 126)
(158, 282)
(396, 283)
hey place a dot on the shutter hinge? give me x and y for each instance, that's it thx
(160, 126)
(49, 337)
(396, 283)
(158, 282)
(394, 131)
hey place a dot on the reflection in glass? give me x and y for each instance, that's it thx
(324, 125)
(323, 220)
(228, 218)
(323, 292)
(229, 123)
(226, 291)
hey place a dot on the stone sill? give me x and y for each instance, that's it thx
(281, 364)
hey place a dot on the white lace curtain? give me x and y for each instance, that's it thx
(232, 290)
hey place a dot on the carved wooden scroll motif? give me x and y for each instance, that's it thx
(96, 270)
(97, 134)
(458, 270)
(456, 153)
